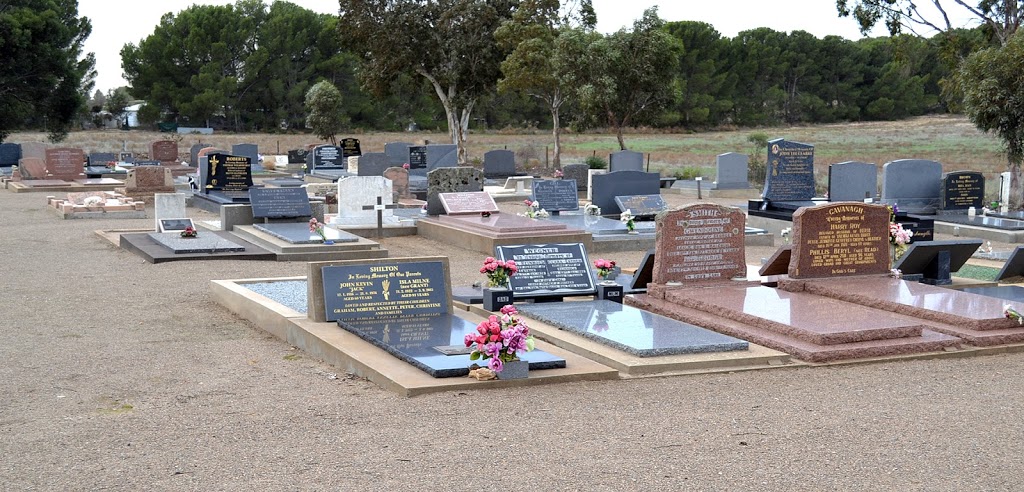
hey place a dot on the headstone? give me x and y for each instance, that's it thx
(468, 203)
(442, 155)
(194, 154)
(149, 179)
(397, 152)
(731, 171)
(65, 163)
(385, 290)
(644, 273)
(417, 159)
(400, 182)
(962, 190)
(625, 160)
(33, 149)
(32, 168)
(252, 151)
(578, 173)
(936, 260)
(355, 192)
(297, 156)
(790, 173)
(350, 147)
(556, 195)
(1004, 188)
(227, 172)
(915, 185)
(10, 153)
(167, 206)
(641, 205)
(126, 157)
(610, 185)
(499, 164)
(101, 158)
(451, 180)
(852, 181)
(698, 244)
(840, 240)
(549, 270)
(373, 164)
(165, 151)
(328, 157)
(279, 203)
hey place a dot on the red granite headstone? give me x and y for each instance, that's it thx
(700, 243)
(149, 179)
(31, 168)
(840, 239)
(165, 151)
(399, 182)
(65, 163)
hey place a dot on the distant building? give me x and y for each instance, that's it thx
(131, 115)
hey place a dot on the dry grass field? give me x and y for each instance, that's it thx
(951, 140)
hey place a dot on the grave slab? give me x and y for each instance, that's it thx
(204, 243)
(145, 246)
(298, 233)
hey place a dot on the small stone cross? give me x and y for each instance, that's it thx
(380, 207)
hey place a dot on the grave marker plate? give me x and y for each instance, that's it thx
(417, 157)
(605, 187)
(228, 172)
(962, 190)
(840, 239)
(350, 147)
(641, 205)
(549, 269)
(279, 203)
(178, 224)
(700, 243)
(382, 291)
(556, 195)
(790, 174)
(467, 203)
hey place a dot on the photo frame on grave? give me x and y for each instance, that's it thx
(175, 225)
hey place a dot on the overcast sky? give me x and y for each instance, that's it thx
(117, 22)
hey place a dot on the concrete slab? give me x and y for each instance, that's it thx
(144, 245)
(356, 249)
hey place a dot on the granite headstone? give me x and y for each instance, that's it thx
(327, 157)
(852, 181)
(578, 172)
(451, 180)
(915, 185)
(625, 160)
(373, 164)
(839, 240)
(499, 164)
(350, 147)
(790, 173)
(397, 152)
(399, 182)
(731, 171)
(641, 205)
(252, 151)
(699, 243)
(556, 195)
(962, 190)
(65, 163)
(165, 151)
(10, 153)
(279, 203)
(468, 203)
(549, 270)
(226, 172)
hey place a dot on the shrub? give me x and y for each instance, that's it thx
(596, 162)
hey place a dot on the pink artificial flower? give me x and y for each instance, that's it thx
(509, 309)
(495, 364)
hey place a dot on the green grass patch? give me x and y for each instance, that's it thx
(977, 272)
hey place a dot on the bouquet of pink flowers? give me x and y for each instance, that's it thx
(498, 272)
(500, 339)
(898, 236)
(604, 267)
(317, 228)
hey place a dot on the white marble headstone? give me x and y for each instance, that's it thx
(354, 192)
(168, 206)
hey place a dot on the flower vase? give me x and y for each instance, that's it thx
(515, 369)
(496, 298)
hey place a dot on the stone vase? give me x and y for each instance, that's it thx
(496, 298)
(515, 369)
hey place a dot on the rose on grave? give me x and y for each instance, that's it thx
(509, 335)
(604, 267)
(498, 272)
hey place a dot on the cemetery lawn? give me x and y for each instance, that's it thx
(977, 272)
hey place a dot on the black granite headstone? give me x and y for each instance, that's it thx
(549, 270)
(962, 190)
(101, 158)
(385, 291)
(328, 157)
(641, 205)
(350, 147)
(226, 172)
(644, 273)
(417, 157)
(556, 195)
(621, 183)
(790, 174)
(297, 156)
(193, 153)
(499, 164)
(279, 203)
(1014, 266)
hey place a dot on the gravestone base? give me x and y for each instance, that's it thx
(119, 207)
(981, 228)
(479, 234)
(810, 327)
(688, 189)
(58, 185)
(351, 248)
(143, 245)
(349, 353)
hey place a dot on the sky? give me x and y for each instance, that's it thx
(118, 22)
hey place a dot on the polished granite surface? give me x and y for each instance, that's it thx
(298, 233)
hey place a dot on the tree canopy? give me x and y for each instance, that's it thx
(44, 79)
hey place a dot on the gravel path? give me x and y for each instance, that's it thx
(118, 374)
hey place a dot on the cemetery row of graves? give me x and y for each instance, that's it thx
(856, 276)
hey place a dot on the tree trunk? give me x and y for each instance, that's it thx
(556, 132)
(1015, 188)
(618, 129)
(458, 125)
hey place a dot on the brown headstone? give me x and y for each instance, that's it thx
(165, 151)
(32, 168)
(65, 163)
(149, 178)
(840, 239)
(399, 182)
(700, 243)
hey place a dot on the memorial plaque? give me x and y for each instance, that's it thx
(385, 291)
(556, 195)
(297, 156)
(700, 243)
(417, 157)
(962, 190)
(65, 163)
(350, 147)
(451, 180)
(10, 153)
(328, 157)
(228, 172)
(790, 174)
(641, 205)
(549, 269)
(176, 225)
(468, 203)
(279, 203)
(165, 151)
(840, 239)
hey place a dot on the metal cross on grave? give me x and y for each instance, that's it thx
(380, 208)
